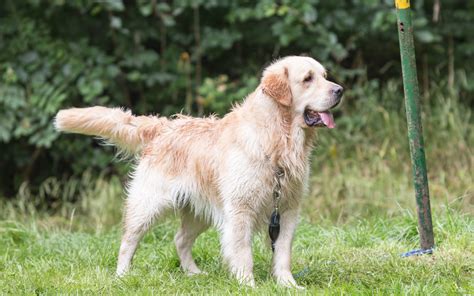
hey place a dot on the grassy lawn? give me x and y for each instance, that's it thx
(362, 257)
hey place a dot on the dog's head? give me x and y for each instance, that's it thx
(300, 84)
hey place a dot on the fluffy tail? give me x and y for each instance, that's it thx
(115, 125)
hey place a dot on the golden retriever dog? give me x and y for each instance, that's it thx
(221, 171)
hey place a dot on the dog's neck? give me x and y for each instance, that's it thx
(287, 142)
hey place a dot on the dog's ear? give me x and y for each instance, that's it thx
(275, 84)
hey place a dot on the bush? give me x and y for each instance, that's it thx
(197, 57)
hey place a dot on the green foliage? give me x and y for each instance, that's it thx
(197, 56)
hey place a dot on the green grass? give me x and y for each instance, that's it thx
(358, 258)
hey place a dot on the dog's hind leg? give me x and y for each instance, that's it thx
(144, 205)
(137, 220)
(191, 228)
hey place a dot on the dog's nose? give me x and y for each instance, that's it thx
(338, 91)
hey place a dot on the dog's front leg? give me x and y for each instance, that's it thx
(282, 254)
(236, 239)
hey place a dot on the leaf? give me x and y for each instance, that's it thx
(425, 36)
(134, 76)
(114, 5)
(145, 8)
(168, 20)
(115, 22)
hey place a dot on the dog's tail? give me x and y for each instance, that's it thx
(128, 132)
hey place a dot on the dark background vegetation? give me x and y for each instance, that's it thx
(200, 56)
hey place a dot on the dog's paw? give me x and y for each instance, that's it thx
(195, 272)
(121, 272)
(286, 279)
(192, 270)
(248, 282)
(298, 287)
(244, 278)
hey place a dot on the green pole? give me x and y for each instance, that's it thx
(415, 135)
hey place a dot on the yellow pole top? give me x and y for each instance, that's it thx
(402, 4)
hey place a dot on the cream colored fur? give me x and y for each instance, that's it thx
(218, 172)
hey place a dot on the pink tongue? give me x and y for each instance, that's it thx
(327, 119)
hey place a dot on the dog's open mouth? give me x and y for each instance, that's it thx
(320, 119)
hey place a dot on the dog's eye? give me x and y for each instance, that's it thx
(308, 78)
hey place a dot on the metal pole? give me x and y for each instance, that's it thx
(415, 135)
